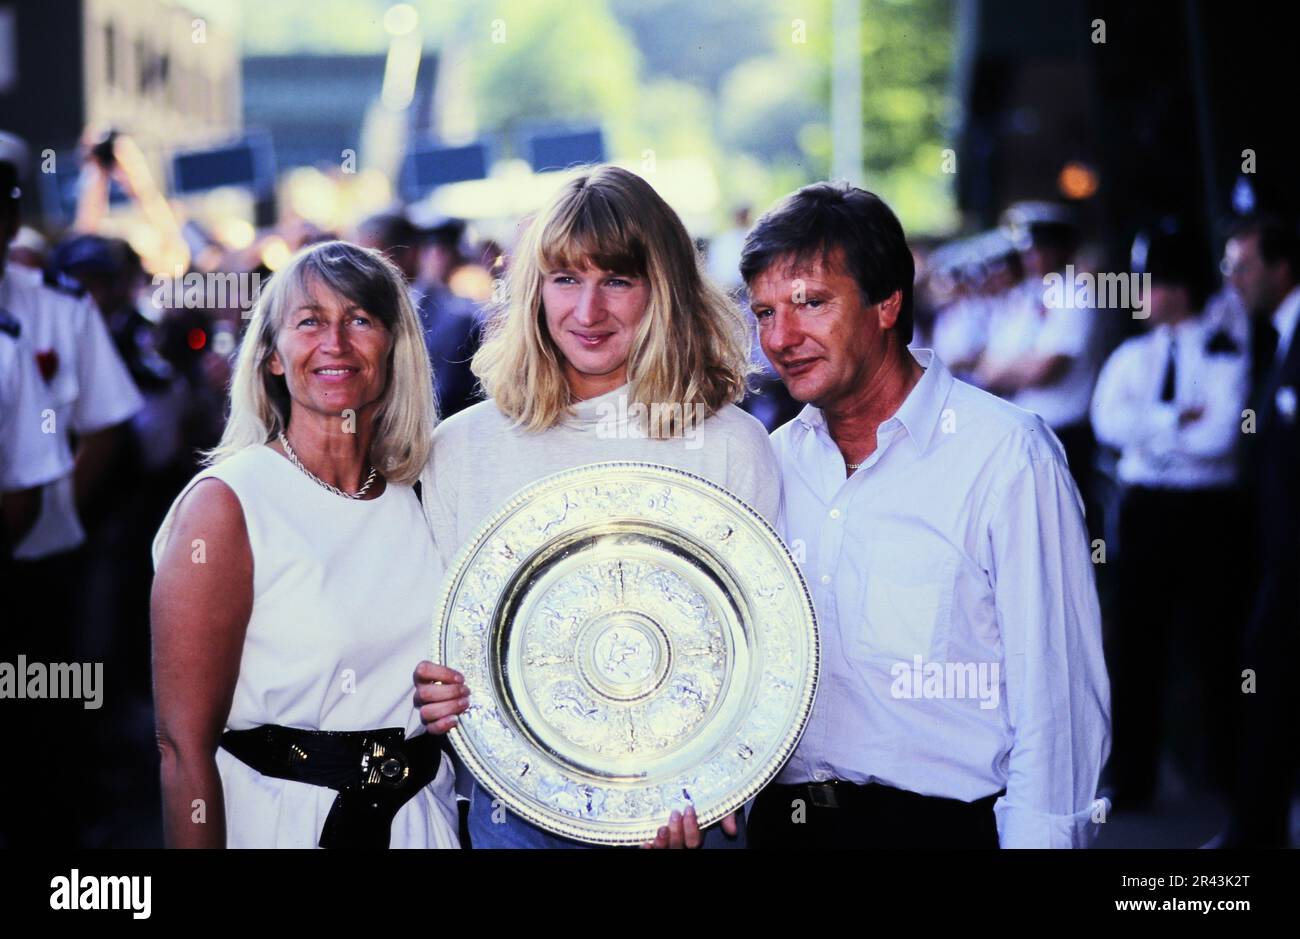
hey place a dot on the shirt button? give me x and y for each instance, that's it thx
(826, 578)
(835, 513)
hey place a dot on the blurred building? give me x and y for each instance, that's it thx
(342, 88)
(368, 110)
(151, 68)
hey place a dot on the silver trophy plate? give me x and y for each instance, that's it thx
(636, 639)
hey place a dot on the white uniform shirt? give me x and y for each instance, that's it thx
(29, 457)
(1023, 325)
(480, 459)
(1127, 412)
(87, 382)
(1225, 312)
(958, 546)
(961, 329)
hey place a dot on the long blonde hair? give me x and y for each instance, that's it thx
(259, 401)
(692, 346)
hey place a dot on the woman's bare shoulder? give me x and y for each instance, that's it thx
(210, 511)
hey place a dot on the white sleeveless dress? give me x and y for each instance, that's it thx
(344, 596)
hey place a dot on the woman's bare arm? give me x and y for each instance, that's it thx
(202, 599)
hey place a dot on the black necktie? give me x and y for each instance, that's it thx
(1170, 385)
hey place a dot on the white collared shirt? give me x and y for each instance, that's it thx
(29, 455)
(1023, 325)
(1155, 450)
(960, 541)
(1225, 311)
(87, 382)
(961, 329)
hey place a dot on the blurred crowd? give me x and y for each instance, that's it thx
(1147, 396)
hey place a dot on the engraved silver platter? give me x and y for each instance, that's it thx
(636, 639)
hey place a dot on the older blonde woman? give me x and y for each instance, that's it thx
(296, 580)
(612, 346)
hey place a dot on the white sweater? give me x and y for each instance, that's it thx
(480, 459)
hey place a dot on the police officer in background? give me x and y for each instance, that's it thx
(1170, 402)
(29, 459)
(985, 272)
(91, 397)
(30, 456)
(92, 393)
(1044, 358)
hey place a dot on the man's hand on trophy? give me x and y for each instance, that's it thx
(683, 830)
(440, 694)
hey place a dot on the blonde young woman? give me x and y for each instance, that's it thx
(296, 580)
(608, 310)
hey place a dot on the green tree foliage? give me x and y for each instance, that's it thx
(907, 48)
(696, 42)
(766, 103)
(539, 61)
(675, 119)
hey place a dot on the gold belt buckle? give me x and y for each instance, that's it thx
(823, 795)
(381, 768)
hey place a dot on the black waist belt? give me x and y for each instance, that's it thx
(374, 772)
(837, 794)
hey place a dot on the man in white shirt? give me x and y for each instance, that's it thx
(1170, 402)
(90, 397)
(29, 457)
(1041, 356)
(31, 453)
(89, 384)
(92, 392)
(963, 700)
(986, 284)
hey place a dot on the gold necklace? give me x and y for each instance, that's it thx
(293, 458)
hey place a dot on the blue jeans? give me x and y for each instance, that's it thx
(513, 832)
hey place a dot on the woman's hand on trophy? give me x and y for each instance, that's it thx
(683, 830)
(440, 694)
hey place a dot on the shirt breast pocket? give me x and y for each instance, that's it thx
(62, 388)
(906, 604)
